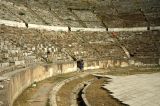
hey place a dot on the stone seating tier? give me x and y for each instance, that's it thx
(19, 44)
(82, 13)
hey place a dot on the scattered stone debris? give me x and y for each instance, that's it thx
(4, 79)
(1, 86)
(1, 103)
(34, 84)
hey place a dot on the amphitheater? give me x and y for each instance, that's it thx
(42, 40)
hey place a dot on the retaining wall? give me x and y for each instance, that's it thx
(48, 28)
(88, 29)
(20, 79)
(15, 82)
(67, 28)
(127, 29)
(12, 23)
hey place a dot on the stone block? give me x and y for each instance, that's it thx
(19, 62)
(48, 28)
(15, 58)
(5, 64)
(1, 87)
(12, 23)
(127, 29)
(1, 103)
(124, 64)
(138, 64)
(89, 29)
(131, 62)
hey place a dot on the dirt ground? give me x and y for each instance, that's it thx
(64, 94)
(97, 96)
(101, 97)
(132, 71)
(38, 95)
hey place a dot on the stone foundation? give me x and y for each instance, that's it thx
(15, 82)
(20, 79)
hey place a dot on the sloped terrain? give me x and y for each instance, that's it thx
(83, 13)
(24, 47)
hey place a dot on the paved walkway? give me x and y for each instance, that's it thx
(40, 97)
(136, 90)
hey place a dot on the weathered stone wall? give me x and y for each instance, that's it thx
(86, 14)
(15, 82)
(66, 28)
(39, 34)
(20, 47)
(21, 79)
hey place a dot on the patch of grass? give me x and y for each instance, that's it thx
(64, 94)
(28, 93)
(97, 96)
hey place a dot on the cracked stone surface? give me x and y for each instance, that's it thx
(136, 90)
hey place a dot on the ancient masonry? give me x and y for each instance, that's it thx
(41, 38)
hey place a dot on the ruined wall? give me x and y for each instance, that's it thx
(81, 32)
(83, 13)
(20, 47)
(15, 82)
(21, 79)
